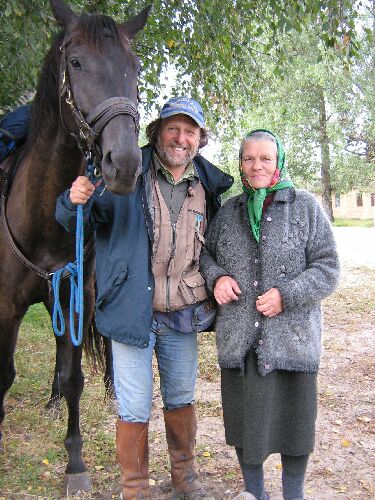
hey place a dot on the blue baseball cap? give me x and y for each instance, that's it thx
(186, 106)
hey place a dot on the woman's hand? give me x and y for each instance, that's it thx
(270, 303)
(81, 190)
(226, 289)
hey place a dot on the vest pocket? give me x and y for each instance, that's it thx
(192, 288)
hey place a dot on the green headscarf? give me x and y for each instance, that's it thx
(280, 180)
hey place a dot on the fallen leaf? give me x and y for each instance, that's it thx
(364, 419)
(99, 467)
(345, 443)
(206, 454)
(151, 482)
(342, 489)
(278, 466)
(338, 422)
(45, 461)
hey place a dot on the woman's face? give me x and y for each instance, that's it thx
(259, 161)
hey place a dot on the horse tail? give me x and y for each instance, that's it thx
(98, 351)
(94, 347)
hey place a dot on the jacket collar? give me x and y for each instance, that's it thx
(213, 179)
(286, 195)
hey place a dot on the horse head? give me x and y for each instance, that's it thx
(99, 93)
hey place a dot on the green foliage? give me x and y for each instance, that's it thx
(316, 92)
(271, 64)
(213, 47)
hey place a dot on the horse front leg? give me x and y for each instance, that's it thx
(8, 338)
(72, 382)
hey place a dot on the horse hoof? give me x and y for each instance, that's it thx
(75, 483)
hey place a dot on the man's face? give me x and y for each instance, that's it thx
(178, 141)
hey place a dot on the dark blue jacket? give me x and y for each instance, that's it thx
(124, 236)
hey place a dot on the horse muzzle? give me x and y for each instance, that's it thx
(121, 171)
(121, 155)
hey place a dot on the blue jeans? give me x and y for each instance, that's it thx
(177, 358)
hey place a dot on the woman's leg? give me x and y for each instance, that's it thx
(293, 476)
(253, 477)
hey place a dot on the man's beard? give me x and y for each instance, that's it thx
(166, 155)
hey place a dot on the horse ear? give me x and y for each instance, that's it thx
(62, 12)
(136, 23)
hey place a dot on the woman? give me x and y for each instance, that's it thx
(269, 260)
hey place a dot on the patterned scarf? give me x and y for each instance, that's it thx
(280, 180)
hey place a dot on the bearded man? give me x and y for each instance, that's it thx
(151, 294)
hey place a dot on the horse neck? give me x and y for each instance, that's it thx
(54, 163)
(48, 168)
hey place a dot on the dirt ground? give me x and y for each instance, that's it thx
(343, 464)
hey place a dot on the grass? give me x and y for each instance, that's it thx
(34, 456)
(354, 223)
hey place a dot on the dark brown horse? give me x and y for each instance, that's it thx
(86, 104)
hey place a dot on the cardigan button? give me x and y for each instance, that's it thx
(260, 342)
(256, 324)
(263, 237)
(266, 367)
(255, 283)
(269, 219)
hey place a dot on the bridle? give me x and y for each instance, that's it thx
(91, 127)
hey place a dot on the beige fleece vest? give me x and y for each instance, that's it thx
(176, 250)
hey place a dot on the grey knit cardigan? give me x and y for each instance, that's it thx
(296, 254)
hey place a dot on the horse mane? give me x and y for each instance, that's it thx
(93, 30)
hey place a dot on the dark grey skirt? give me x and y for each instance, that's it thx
(274, 413)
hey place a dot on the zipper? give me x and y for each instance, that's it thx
(173, 251)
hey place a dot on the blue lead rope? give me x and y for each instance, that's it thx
(75, 271)
(76, 289)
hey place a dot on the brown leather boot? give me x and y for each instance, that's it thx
(181, 429)
(132, 455)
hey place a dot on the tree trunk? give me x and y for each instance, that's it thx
(326, 159)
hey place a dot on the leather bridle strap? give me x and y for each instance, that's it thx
(92, 126)
(102, 114)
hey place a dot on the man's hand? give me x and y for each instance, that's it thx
(226, 289)
(81, 190)
(270, 303)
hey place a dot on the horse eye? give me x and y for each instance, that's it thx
(75, 64)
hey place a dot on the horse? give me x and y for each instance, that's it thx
(85, 108)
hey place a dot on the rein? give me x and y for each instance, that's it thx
(75, 272)
(42, 273)
(46, 275)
